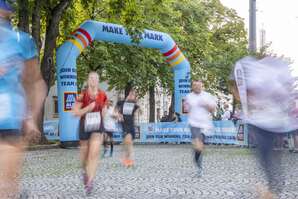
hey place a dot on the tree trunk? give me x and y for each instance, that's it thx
(172, 106)
(40, 117)
(152, 104)
(23, 11)
(36, 17)
(52, 31)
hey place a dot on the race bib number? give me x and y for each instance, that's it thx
(92, 122)
(128, 108)
(5, 106)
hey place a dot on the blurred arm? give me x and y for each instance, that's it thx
(233, 89)
(35, 88)
(77, 108)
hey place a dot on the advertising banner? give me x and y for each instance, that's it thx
(224, 132)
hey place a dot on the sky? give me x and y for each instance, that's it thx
(279, 18)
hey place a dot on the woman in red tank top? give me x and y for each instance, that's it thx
(91, 99)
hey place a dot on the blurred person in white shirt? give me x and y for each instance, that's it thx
(199, 105)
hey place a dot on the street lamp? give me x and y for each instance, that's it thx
(252, 26)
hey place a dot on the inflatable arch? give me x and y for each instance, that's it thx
(82, 38)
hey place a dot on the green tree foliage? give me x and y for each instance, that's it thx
(211, 36)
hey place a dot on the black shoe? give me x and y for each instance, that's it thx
(200, 172)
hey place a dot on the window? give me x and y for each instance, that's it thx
(158, 114)
(55, 107)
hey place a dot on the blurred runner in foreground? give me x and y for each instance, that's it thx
(266, 90)
(22, 93)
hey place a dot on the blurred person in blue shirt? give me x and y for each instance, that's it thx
(22, 93)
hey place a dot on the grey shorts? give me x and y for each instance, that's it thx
(197, 133)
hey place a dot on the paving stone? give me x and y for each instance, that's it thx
(161, 172)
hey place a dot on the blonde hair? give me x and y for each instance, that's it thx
(89, 74)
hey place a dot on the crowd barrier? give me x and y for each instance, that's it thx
(224, 132)
(50, 129)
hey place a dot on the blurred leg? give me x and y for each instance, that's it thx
(83, 153)
(95, 143)
(278, 141)
(269, 159)
(105, 143)
(295, 135)
(11, 157)
(128, 146)
(198, 146)
(111, 145)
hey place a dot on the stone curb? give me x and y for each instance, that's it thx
(43, 147)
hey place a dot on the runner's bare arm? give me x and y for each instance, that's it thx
(35, 87)
(233, 89)
(105, 107)
(119, 116)
(104, 111)
(35, 91)
(77, 109)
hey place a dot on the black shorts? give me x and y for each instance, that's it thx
(109, 133)
(197, 133)
(11, 136)
(128, 129)
(86, 135)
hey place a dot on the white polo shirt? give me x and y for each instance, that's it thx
(198, 114)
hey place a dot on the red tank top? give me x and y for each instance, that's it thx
(100, 100)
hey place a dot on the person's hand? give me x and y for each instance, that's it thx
(31, 131)
(120, 118)
(75, 113)
(91, 106)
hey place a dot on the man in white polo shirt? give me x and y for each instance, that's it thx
(200, 105)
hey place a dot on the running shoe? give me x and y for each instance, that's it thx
(84, 178)
(127, 163)
(89, 187)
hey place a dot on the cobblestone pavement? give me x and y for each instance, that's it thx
(161, 172)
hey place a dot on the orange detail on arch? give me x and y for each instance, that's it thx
(82, 39)
(174, 56)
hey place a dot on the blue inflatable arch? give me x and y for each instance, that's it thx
(82, 38)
